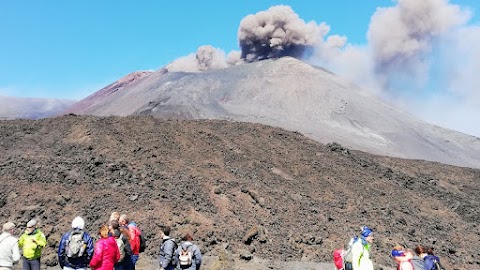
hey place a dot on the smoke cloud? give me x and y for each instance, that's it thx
(403, 36)
(275, 33)
(206, 58)
(421, 57)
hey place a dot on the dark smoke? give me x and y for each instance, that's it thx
(275, 33)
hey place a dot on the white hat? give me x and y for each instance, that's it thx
(8, 226)
(31, 223)
(78, 223)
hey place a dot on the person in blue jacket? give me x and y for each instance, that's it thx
(430, 259)
(81, 260)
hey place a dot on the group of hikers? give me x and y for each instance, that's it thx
(357, 255)
(120, 242)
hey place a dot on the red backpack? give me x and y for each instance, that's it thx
(338, 258)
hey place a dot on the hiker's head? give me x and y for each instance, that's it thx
(103, 231)
(116, 233)
(165, 230)
(123, 220)
(398, 251)
(419, 250)
(9, 227)
(399, 254)
(115, 216)
(113, 225)
(78, 223)
(367, 234)
(188, 237)
(31, 225)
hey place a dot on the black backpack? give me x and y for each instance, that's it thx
(143, 242)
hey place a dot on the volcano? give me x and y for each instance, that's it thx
(293, 95)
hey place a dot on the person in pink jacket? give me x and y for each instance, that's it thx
(106, 253)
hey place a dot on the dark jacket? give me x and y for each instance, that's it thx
(75, 263)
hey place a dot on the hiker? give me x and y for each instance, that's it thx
(402, 258)
(76, 247)
(431, 260)
(9, 251)
(121, 235)
(167, 249)
(134, 233)
(361, 250)
(106, 253)
(32, 242)
(417, 260)
(188, 255)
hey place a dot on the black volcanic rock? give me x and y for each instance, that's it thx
(220, 179)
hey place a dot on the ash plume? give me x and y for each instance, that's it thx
(276, 32)
(206, 58)
(401, 37)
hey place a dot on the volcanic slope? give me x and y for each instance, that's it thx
(239, 187)
(293, 95)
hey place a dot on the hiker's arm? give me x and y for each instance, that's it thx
(21, 241)
(169, 252)
(61, 252)
(15, 253)
(198, 258)
(41, 240)
(90, 248)
(97, 256)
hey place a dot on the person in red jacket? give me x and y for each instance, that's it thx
(106, 253)
(135, 232)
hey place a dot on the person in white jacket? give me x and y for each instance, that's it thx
(361, 251)
(9, 251)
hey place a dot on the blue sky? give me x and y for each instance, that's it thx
(69, 49)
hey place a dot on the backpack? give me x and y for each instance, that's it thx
(348, 256)
(185, 256)
(143, 242)
(75, 246)
(343, 258)
(338, 258)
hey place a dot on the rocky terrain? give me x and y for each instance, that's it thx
(245, 190)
